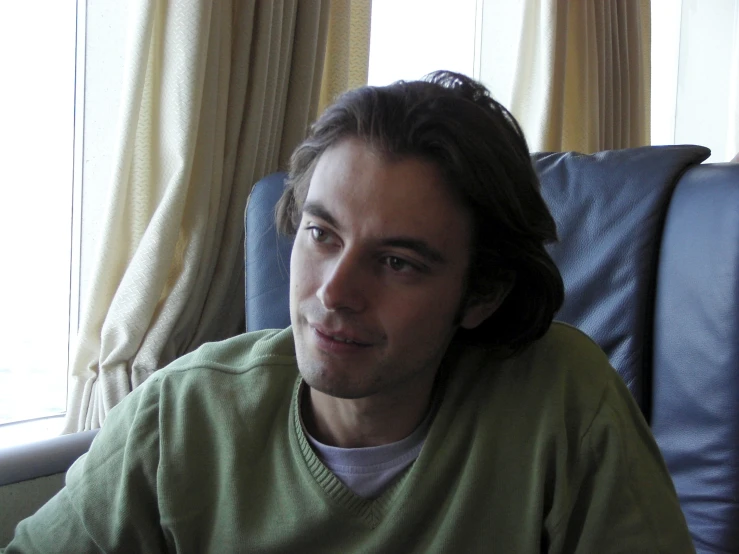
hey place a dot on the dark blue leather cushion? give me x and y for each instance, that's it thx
(695, 412)
(267, 259)
(609, 208)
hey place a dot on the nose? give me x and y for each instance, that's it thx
(342, 288)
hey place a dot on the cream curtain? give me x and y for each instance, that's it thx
(217, 94)
(347, 54)
(581, 75)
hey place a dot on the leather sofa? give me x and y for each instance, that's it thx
(649, 252)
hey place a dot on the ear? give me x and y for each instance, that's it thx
(478, 309)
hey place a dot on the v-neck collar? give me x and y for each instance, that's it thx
(371, 511)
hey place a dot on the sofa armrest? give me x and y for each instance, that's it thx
(42, 458)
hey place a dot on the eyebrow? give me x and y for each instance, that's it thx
(319, 210)
(419, 246)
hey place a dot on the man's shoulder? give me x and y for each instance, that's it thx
(247, 375)
(568, 345)
(240, 354)
(564, 374)
(572, 380)
(259, 365)
(571, 364)
(562, 351)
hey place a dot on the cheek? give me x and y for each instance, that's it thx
(303, 272)
(297, 270)
(429, 316)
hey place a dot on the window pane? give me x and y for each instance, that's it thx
(666, 16)
(441, 36)
(37, 56)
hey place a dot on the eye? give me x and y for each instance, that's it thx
(318, 234)
(398, 264)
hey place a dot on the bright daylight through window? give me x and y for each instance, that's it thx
(423, 48)
(37, 115)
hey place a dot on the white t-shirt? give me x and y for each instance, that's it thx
(367, 472)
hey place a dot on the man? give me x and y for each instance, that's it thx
(422, 400)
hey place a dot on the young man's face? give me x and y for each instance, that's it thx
(377, 274)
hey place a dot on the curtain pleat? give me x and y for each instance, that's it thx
(347, 52)
(217, 95)
(582, 79)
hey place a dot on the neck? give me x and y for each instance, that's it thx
(363, 422)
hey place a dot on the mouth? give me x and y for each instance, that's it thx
(338, 341)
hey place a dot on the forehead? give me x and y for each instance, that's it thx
(368, 192)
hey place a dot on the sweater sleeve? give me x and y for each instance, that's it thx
(620, 495)
(109, 502)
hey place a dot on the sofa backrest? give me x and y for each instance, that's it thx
(695, 401)
(610, 208)
(267, 259)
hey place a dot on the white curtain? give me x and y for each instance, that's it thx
(575, 73)
(216, 95)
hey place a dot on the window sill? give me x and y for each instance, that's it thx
(43, 457)
(25, 432)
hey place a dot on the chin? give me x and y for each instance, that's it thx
(330, 387)
(337, 386)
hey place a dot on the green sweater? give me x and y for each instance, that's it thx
(546, 451)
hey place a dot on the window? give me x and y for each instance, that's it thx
(665, 49)
(695, 75)
(38, 209)
(400, 50)
(695, 59)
